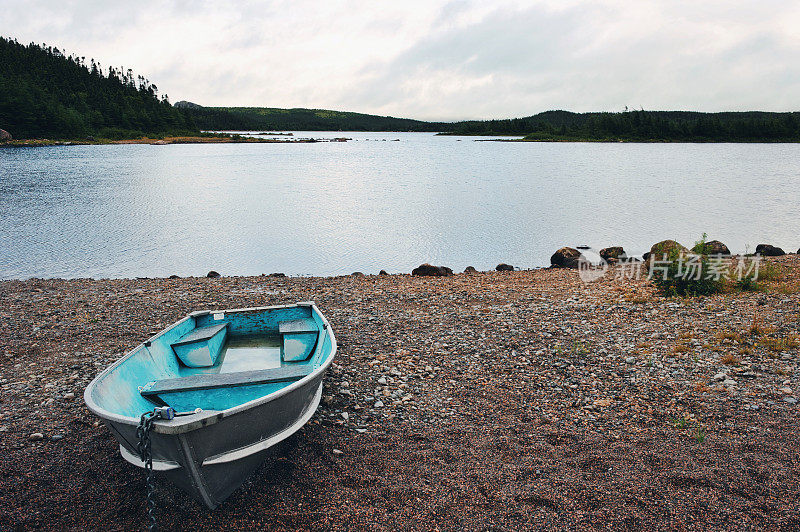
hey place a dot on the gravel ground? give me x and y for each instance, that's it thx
(501, 400)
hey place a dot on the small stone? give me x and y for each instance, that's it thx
(721, 376)
(36, 436)
(378, 404)
(382, 381)
(345, 416)
(790, 400)
(631, 360)
(729, 382)
(337, 451)
(57, 437)
(69, 395)
(786, 390)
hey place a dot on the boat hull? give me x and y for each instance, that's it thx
(210, 453)
(210, 462)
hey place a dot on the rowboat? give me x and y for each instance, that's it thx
(233, 382)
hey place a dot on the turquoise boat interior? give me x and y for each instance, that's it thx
(216, 361)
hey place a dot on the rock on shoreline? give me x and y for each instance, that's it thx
(565, 257)
(432, 271)
(767, 250)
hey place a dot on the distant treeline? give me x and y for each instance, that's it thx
(643, 126)
(631, 126)
(46, 94)
(269, 118)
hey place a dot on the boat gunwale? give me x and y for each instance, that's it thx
(187, 423)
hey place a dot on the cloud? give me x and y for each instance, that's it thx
(445, 60)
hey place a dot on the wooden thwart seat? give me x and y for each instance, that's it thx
(225, 380)
(201, 334)
(201, 347)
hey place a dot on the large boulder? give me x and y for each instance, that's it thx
(430, 270)
(470, 269)
(666, 247)
(714, 247)
(565, 258)
(212, 274)
(503, 267)
(765, 250)
(613, 253)
(5, 135)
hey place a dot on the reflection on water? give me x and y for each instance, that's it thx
(335, 208)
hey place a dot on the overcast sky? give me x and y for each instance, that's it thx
(439, 60)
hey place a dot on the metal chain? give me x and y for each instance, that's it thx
(144, 448)
(145, 454)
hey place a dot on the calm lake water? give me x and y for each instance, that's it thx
(375, 203)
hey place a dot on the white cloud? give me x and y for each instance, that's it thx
(445, 60)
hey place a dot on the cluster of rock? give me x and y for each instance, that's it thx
(567, 257)
(428, 270)
(5, 135)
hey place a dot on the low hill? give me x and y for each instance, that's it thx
(47, 94)
(631, 126)
(643, 126)
(272, 118)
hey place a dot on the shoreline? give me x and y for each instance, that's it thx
(469, 271)
(609, 404)
(287, 138)
(34, 143)
(624, 141)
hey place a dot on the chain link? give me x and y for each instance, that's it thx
(145, 454)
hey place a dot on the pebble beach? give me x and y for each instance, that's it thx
(490, 400)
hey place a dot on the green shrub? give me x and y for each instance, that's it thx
(676, 273)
